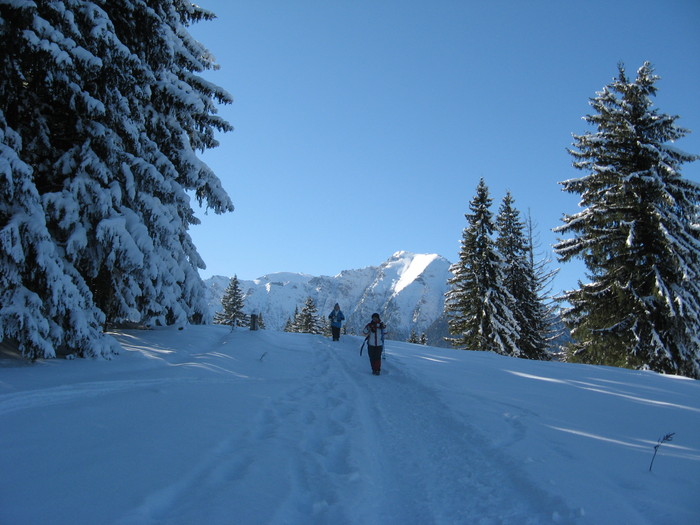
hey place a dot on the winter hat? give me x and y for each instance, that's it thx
(375, 315)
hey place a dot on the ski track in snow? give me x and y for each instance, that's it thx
(68, 393)
(357, 438)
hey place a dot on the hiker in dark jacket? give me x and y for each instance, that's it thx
(375, 331)
(337, 318)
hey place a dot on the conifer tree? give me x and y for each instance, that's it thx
(173, 108)
(293, 323)
(325, 326)
(103, 107)
(423, 339)
(45, 306)
(549, 325)
(413, 338)
(521, 281)
(478, 306)
(307, 321)
(232, 304)
(261, 322)
(637, 234)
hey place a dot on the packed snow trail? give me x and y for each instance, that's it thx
(339, 443)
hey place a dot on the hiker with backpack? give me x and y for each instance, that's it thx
(337, 318)
(375, 331)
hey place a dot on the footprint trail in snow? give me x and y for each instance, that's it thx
(341, 443)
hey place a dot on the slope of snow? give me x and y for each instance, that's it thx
(413, 270)
(211, 426)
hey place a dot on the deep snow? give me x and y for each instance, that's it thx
(206, 425)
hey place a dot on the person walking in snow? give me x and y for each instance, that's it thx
(375, 331)
(337, 318)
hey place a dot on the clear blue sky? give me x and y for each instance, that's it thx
(363, 127)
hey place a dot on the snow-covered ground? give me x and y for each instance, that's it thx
(210, 426)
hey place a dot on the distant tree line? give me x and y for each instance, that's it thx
(414, 338)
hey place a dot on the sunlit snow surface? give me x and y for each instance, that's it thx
(206, 425)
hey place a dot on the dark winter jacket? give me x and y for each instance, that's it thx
(336, 317)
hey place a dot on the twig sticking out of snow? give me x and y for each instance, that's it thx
(663, 439)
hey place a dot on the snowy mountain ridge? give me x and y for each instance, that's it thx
(408, 291)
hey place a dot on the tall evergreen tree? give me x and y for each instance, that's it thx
(637, 235)
(294, 324)
(103, 108)
(307, 321)
(521, 281)
(232, 304)
(478, 305)
(548, 310)
(45, 306)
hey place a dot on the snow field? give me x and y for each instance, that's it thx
(213, 426)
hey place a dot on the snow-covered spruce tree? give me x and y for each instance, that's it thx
(261, 322)
(232, 304)
(108, 110)
(42, 96)
(176, 117)
(637, 235)
(325, 326)
(179, 118)
(521, 282)
(45, 306)
(478, 305)
(307, 321)
(551, 327)
(290, 325)
(413, 338)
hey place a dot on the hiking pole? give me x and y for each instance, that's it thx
(363, 344)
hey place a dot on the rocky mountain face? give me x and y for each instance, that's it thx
(407, 290)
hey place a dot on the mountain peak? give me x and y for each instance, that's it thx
(407, 290)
